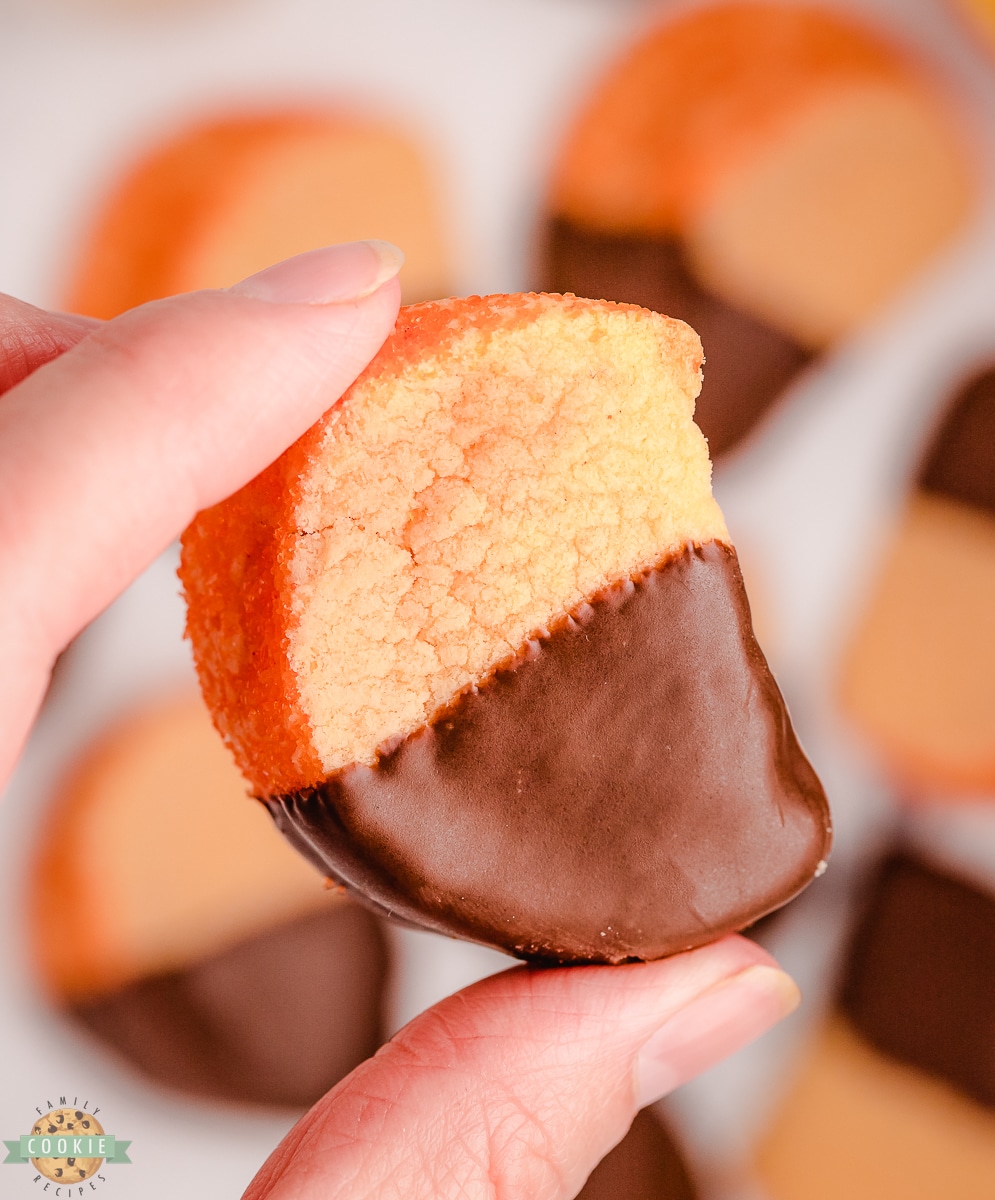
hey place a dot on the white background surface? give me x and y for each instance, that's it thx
(487, 85)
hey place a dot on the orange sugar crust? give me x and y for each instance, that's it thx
(423, 330)
(234, 553)
(231, 556)
(693, 99)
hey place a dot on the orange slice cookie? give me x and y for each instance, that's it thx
(227, 198)
(896, 1097)
(919, 675)
(169, 918)
(858, 1124)
(481, 642)
(773, 174)
(646, 1165)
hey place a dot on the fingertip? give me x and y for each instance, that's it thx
(714, 1025)
(579, 1049)
(330, 275)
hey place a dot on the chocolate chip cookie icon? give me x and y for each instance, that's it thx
(67, 1146)
(62, 1130)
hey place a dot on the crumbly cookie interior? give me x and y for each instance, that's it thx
(457, 508)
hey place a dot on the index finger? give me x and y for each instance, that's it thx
(31, 337)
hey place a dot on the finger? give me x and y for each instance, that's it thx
(108, 451)
(519, 1085)
(31, 337)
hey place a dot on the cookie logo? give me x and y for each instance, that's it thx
(60, 1122)
(67, 1146)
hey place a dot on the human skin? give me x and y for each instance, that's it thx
(112, 436)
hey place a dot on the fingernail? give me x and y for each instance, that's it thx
(716, 1023)
(332, 275)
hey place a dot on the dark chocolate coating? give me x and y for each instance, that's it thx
(961, 460)
(629, 788)
(277, 1019)
(748, 363)
(920, 980)
(645, 1165)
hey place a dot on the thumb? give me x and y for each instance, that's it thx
(519, 1085)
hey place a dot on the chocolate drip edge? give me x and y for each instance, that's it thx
(628, 788)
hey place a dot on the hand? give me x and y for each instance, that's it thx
(518, 1086)
(111, 437)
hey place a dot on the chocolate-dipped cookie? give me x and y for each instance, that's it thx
(920, 982)
(226, 198)
(918, 678)
(647, 1164)
(168, 917)
(897, 1096)
(770, 173)
(480, 641)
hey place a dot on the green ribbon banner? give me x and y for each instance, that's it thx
(58, 1145)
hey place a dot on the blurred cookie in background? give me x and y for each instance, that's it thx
(980, 17)
(918, 679)
(896, 1096)
(771, 174)
(228, 197)
(647, 1164)
(171, 920)
(920, 984)
(169, 917)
